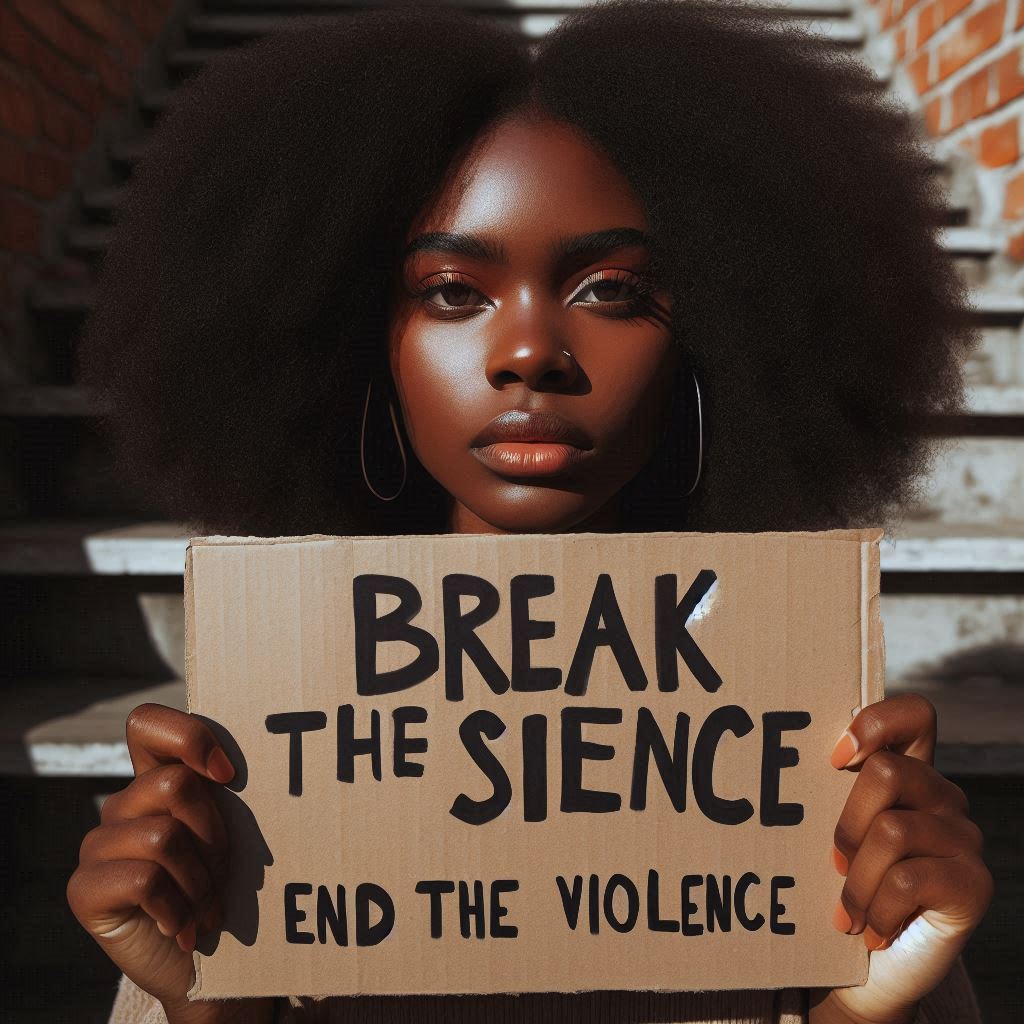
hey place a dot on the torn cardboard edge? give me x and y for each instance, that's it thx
(871, 665)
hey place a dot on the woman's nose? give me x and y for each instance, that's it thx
(540, 364)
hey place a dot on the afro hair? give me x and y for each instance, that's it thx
(243, 302)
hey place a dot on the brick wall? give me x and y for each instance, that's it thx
(965, 61)
(62, 64)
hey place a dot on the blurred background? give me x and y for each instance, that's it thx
(91, 584)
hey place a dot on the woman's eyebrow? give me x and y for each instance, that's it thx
(457, 245)
(583, 248)
(570, 248)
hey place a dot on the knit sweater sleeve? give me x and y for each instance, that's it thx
(133, 1005)
(951, 1002)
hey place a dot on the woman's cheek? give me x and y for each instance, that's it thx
(440, 386)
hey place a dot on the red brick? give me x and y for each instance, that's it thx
(1020, 17)
(1000, 144)
(19, 224)
(115, 80)
(901, 43)
(139, 15)
(53, 26)
(148, 17)
(47, 174)
(13, 165)
(53, 70)
(7, 296)
(933, 116)
(950, 9)
(98, 18)
(969, 99)
(18, 113)
(91, 57)
(975, 36)
(62, 125)
(1010, 76)
(919, 72)
(15, 40)
(1014, 206)
(1015, 247)
(885, 14)
(927, 23)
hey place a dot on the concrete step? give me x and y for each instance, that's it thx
(49, 400)
(76, 727)
(76, 548)
(996, 401)
(978, 480)
(934, 546)
(954, 638)
(972, 249)
(998, 362)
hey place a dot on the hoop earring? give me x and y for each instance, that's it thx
(362, 447)
(700, 435)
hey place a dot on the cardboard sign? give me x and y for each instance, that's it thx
(472, 764)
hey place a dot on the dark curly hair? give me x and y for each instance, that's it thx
(243, 302)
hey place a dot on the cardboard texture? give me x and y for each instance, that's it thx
(624, 743)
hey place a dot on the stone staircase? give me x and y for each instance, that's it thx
(92, 587)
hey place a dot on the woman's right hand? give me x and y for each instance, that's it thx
(151, 874)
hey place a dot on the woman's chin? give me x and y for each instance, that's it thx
(540, 509)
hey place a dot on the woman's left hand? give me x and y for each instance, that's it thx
(916, 886)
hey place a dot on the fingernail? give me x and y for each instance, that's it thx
(219, 766)
(839, 862)
(841, 920)
(187, 937)
(844, 750)
(873, 940)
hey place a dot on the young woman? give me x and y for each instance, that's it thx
(674, 270)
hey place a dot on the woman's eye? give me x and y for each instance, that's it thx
(608, 291)
(621, 289)
(453, 295)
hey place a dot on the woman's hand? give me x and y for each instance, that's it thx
(150, 874)
(916, 886)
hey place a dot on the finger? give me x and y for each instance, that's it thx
(960, 888)
(175, 790)
(162, 839)
(104, 896)
(894, 836)
(888, 780)
(160, 735)
(905, 723)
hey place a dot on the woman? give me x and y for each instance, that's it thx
(405, 277)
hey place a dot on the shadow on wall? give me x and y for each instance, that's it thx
(995, 665)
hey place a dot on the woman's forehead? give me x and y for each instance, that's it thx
(530, 179)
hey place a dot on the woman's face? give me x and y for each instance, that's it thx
(532, 367)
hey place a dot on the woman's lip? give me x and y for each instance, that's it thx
(531, 426)
(526, 458)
